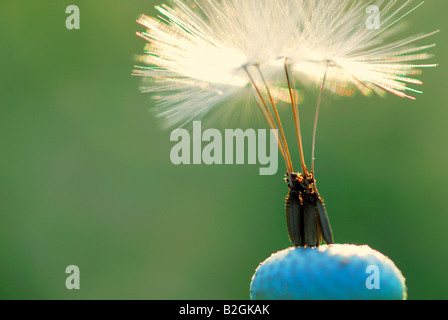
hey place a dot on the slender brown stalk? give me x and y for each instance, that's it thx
(295, 110)
(316, 119)
(270, 120)
(279, 122)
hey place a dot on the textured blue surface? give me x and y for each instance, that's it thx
(335, 272)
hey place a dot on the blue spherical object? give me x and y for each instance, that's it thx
(334, 272)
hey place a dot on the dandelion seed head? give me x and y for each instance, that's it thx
(200, 52)
(337, 42)
(197, 52)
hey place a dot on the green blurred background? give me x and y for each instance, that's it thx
(86, 177)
